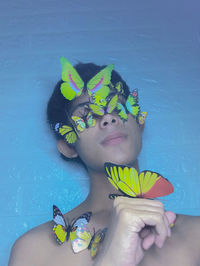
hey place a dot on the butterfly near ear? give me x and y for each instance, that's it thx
(61, 229)
(68, 132)
(147, 184)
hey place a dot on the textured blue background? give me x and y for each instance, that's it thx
(154, 44)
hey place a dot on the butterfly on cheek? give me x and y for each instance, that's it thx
(86, 121)
(147, 184)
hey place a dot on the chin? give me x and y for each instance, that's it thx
(123, 160)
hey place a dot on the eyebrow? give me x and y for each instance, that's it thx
(78, 105)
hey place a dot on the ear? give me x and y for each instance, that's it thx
(66, 150)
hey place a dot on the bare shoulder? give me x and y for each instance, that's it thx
(35, 241)
(39, 247)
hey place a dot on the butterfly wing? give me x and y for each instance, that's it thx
(142, 117)
(80, 235)
(73, 84)
(99, 83)
(112, 104)
(123, 179)
(154, 185)
(122, 112)
(60, 228)
(90, 121)
(97, 99)
(96, 109)
(67, 132)
(96, 241)
(119, 87)
(132, 103)
(80, 124)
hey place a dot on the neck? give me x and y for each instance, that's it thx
(100, 188)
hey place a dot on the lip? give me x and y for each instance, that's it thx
(114, 138)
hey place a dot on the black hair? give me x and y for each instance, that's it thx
(58, 106)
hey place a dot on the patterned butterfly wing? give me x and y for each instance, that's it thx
(119, 87)
(147, 185)
(154, 185)
(60, 229)
(80, 124)
(96, 109)
(66, 131)
(97, 99)
(96, 241)
(132, 104)
(99, 83)
(112, 104)
(122, 112)
(90, 121)
(142, 117)
(73, 84)
(80, 235)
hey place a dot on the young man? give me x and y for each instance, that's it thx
(94, 127)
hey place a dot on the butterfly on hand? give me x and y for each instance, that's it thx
(66, 131)
(147, 184)
(84, 122)
(73, 84)
(63, 230)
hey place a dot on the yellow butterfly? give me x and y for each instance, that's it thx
(66, 131)
(147, 184)
(102, 110)
(84, 122)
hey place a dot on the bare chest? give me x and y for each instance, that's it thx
(174, 255)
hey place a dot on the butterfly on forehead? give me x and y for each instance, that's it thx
(147, 184)
(73, 84)
(61, 229)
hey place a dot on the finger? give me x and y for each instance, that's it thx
(156, 220)
(137, 201)
(148, 241)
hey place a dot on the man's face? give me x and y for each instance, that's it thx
(110, 140)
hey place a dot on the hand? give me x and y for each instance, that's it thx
(136, 224)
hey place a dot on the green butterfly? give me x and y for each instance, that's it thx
(84, 122)
(73, 84)
(102, 110)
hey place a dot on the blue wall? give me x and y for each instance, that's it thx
(154, 44)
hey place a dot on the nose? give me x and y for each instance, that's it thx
(108, 120)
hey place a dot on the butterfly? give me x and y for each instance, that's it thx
(61, 230)
(122, 111)
(147, 184)
(73, 84)
(102, 110)
(119, 87)
(132, 105)
(84, 122)
(82, 239)
(66, 131)
(141, 117)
